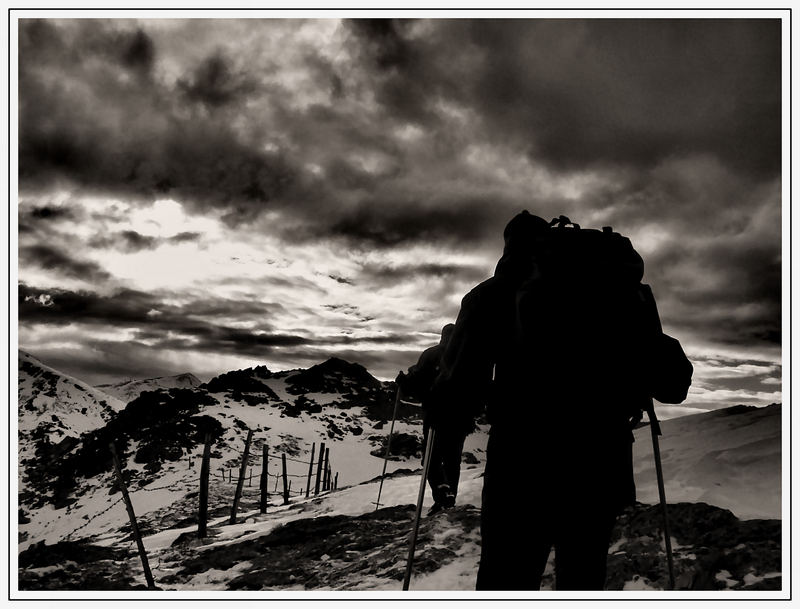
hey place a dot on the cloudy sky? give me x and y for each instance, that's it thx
(202, 195)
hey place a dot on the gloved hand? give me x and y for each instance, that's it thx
(402, 381)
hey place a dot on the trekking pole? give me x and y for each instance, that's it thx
(420, 498)
(655, 431)
(388, 447)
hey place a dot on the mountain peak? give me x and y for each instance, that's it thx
(334, 375)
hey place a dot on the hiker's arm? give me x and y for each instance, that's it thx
(463, 384)
(417, 382)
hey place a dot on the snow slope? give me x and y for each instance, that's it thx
(729, 458)
(129, 390)
(54, 409)
(338, 541)
(68, 405)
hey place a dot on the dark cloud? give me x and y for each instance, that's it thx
(109, 362)
(123, 307)
(409, 221)
(722, 293)
(137, 309)
(392, 274)
(46, 212)
(134, 242)
(139, 53)
(50, 258)
(717, 268)
(385, 42)
(349, 310)
(578, 93)
(128, 135)
(409, 73)
(194, 326)
(343, 280)
(41, 220)
(126, 241)
(214, 83)
(571, 93)
(185, 237)
(130, 241)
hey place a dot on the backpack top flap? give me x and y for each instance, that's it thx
(591, 255)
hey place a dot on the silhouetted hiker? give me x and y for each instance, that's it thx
(445, 468)
(561, 347)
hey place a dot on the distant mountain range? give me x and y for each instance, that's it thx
(66, 427)
(128, 390)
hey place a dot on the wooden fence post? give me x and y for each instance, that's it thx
(202, 515)
(240, 481)
(336, 481)
(326, 467)
(319, 468)
(134, 527)
(264, 478)
(310, 470)
(285, 480)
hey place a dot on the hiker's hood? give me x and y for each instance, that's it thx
(523, 236)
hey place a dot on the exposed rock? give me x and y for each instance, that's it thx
(403, 446)
(469, 459)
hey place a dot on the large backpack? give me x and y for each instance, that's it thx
(588, 327)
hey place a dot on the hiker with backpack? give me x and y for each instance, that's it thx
(562, 347)
(444, 470)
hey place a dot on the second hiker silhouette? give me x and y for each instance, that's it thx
(445, 467)
(556, 345)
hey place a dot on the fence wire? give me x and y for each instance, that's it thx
(253, 459)
(256, 456)
(92, 519)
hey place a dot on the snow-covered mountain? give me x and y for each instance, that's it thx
(74, 531)
(57, 404)
(131, 389)
(729, 457)
(54, 410)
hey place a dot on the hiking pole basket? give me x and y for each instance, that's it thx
(388, 447)
(655, 431)
(420, 498)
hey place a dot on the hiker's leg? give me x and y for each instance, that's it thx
(582, 551)
(451, 460)
(514, 550)
(515, 539)
(437, 479)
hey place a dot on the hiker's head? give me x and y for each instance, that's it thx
(524, 236)
(524, 232)
(447, 332)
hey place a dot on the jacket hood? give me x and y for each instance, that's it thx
(522, 236)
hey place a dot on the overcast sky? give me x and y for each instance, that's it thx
(203, 195)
